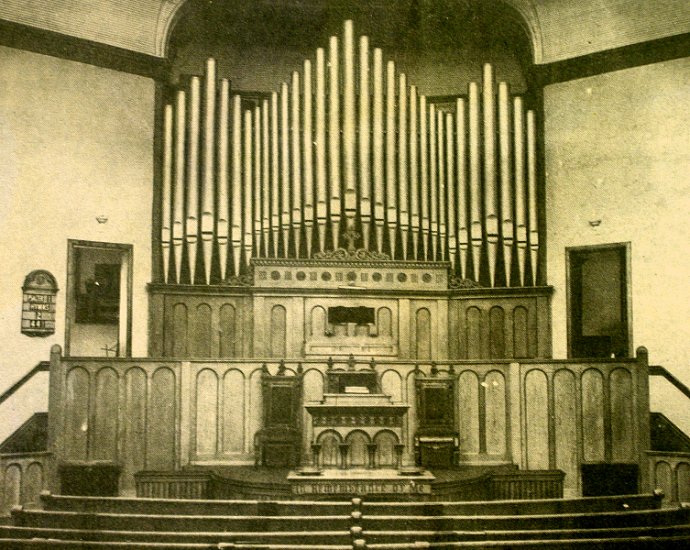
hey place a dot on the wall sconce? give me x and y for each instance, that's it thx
(595, 223)
(102, 219)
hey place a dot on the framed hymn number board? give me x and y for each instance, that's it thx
(39, 303)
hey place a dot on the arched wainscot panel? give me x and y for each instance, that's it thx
(329, 442)
(206, 413)
(318, 322)
(77, 414)
(391, 384)
(228, 331)
(13, 485)
(179, 331)
(312, 391)
(233, 412)
(160, 429)
(520, 333)
(565, 417)
(622, 437)
(683, 481)
(423, 330)
(134, 444)
(278, 331)
(105, 420)
(358, 454)
(537, 420)
(384, 322)
(254, 409)
(473, 326)
(203, 337)
(468, 412)
(495, 399)
(33, 483)
(663, 479)
(592, 416)
(497, 333)
(385, 449)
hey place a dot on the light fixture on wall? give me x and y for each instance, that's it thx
(102, 219)
(595, 223)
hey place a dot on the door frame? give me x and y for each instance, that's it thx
(626, 249)
(70, 295)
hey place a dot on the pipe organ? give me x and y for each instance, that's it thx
(348, 154)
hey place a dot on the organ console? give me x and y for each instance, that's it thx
(348, 146)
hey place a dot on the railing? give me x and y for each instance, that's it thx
(43, 366)
(657, 370)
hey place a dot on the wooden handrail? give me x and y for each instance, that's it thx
(43, 366)
(658, 370)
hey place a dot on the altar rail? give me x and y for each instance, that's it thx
(155, 414)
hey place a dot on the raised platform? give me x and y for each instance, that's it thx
(467, 483)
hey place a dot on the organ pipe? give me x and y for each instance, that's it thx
(223, 163)
(391, 183)
(180, 156)
(289, 176)
(166, 195)
(193, 176)
(334, 138)
(364, 141)
(208, 166)
(504, 138)
(308, 159)
(520, 185)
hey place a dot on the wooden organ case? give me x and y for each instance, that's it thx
(347, 164)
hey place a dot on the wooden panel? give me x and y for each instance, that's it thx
(423, 332)
(203, 337)
(663, 478)
(228, 331)
(233, 412)
(358, 457)
(468, 412)
(537, 420)
(520, 333)
(329, 449)
(497, 346)
(254, 408)
(565, 417)
(12, 485)
(134, 443)
(385, 322)
(593, 416)
(622, 433)
(278, 332)
(312, 390)
(76, 414)
(318, 322)
(496, 433)
(105, 435)
(160, 428)
(385, 449)
(391, 384)
(179, 331)
(206, 413)
(473, 326)
(683, 481)
(33, 484)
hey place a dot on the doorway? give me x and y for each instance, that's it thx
(599, 301)
(99, 299)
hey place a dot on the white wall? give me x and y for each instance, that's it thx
(76, 143)
(618, 150)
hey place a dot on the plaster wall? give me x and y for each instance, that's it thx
(76, 143)
(618, 150)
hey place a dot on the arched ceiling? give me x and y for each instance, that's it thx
(559, 29)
